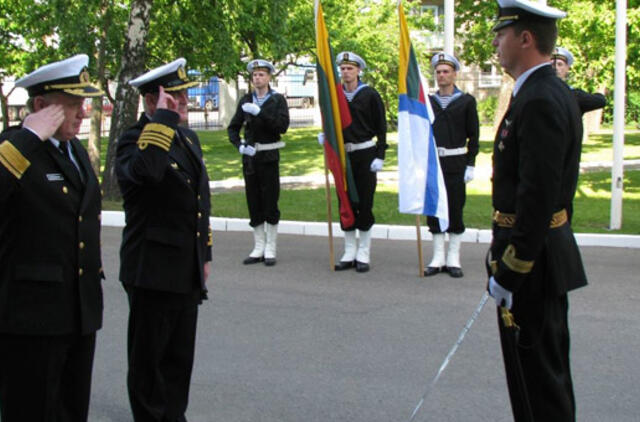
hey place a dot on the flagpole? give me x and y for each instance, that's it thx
(419, 238)
(327, 187)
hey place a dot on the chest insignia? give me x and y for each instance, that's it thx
(54, 177)
(501, 146)
(174, 166)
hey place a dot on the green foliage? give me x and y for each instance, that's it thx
(487, 109)
(633, 107)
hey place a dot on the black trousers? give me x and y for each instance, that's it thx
(544, 354)
(45, 378)
(161, 345)
(262, 189)
(456, 197)
(366, 182)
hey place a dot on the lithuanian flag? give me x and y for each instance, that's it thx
(335, 117)
(421, 188)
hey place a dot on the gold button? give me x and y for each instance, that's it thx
(65, 190)
(189, 181)
(199, 215)
(81, 245)
(199, 197)
(80, 271)
(80, 219)
(198, 234)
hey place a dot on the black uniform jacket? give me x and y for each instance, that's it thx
(588, 102)
(265, 128)
(536, 159)
(50, 266)
(165, 187)
(368, 120)
(452, 127)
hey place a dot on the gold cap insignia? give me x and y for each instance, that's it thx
(182, 74)
(84, 76)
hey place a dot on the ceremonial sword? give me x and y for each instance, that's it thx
(452, 352)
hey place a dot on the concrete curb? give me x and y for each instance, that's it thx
(383, 231)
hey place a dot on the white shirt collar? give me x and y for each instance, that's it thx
(522, 78)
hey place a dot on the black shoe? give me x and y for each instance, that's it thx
(455, 272)
(361, 267)
(251, 260)
(269, 262)
(345, 265)
(432, 271)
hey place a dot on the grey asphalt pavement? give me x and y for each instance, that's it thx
(300, 343)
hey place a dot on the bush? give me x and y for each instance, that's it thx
(487, 109)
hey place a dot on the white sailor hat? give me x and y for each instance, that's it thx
(350, 58)
(444, 58)
(563, 54)
(259, 64)
(69, 76)
(171, 76)
(512, 11)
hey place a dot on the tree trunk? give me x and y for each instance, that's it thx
(4, 106)
(506, 88)
(126, 102)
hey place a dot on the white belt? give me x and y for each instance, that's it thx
(446, 152)
(267, 147)
(350, 147)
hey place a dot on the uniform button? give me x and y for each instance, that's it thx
(199, 197)
(81, 245)
(65, 190)
(199, 215)
(80, 219)
(189, 181)
(198, 234)
(80, 271)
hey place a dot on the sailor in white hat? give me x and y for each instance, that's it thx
(456, 130)
(562, 60)
(536, 159)
(166, 243)
(51, 275)
(366, 155)
(264, 115)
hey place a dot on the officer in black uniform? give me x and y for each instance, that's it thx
(265, 116)
(51, 273)
(535, 171)
(366, 157)
(166, 244)
(562, 60)
(456, 130)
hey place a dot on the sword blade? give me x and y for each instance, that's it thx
(452, 352)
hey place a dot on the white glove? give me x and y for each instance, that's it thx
(468, 174)
(251, 108)
(502, 296)
(247, 150)
(376, 165)
(321, 138)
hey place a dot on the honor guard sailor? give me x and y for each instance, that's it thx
(366, 156)
(51, 273)
(536, 159)
(265, 117)
(166, 244)
(456, 130)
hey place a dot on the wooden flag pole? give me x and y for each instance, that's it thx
(329, 222)
(419, 239)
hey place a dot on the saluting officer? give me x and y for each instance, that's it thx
(51, 273)
(265, 116)
(365, 155)
(166, 243)
(562, 60)
(456, 130)
(536, 159)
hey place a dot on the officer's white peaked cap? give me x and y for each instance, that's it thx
(171, 76)
(512, 11)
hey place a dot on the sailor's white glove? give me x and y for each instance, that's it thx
(376, 165)
(468, 174)
(502, 296)
(247, 150)
(321, 138)
(251, 108)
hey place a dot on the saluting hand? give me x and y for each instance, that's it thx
(166, 100)
(45, 122)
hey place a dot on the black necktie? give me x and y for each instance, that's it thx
(64, 148)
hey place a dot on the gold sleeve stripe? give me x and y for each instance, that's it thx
(156, 134)
(515, 264)
(13, 160)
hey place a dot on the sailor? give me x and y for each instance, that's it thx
(265, 116)
(456, 130)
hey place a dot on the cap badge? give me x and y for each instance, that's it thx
(182, 74)
(84, 76)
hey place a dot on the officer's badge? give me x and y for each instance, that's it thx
(174, 166)
(501, 146)
(182, 74)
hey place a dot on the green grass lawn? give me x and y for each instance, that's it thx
(303, 156)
